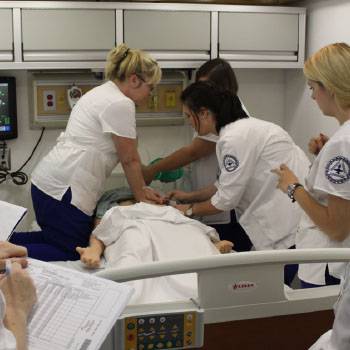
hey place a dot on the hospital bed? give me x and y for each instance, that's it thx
(242, 304)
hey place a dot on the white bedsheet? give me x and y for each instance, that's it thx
(143, 233)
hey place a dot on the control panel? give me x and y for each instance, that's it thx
(55, 95)
(164, 99)
(177, 330)
(163, 106)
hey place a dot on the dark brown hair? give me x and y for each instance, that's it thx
(225, 106)
(220, 72)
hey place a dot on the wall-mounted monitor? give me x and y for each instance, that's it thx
(8, 110)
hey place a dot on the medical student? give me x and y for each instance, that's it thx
(329, 69)
(247, 150)
(101, 132)
(201, 153)
(325, 199)
(17, 297)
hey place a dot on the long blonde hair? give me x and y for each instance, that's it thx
(122, 62)
(330, 66)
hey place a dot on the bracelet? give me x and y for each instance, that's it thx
(291, 190)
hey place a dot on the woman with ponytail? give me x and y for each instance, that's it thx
(247, 150)
(101, 132)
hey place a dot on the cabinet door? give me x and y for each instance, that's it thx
(6, 37)
(67, 35)
(169, 34)
(258, 36)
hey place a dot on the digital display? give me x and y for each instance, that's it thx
(8, 110)
(5, 120)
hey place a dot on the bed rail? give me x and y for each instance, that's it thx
(245, 285)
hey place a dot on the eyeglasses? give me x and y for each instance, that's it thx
(150, 86)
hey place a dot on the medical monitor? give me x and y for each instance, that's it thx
(8, 110)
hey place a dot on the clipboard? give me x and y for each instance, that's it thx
(74, 310)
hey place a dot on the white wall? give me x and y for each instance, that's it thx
(261, 90)
(327, 22)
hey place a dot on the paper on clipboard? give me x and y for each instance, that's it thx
(75, 310)
(10, 216)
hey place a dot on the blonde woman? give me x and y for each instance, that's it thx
(68, 182)
(325, 199)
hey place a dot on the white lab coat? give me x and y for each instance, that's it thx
(205, 171)
(85, 154)
(7, 339)
(247, 150)
(338, 338)
(329, 174)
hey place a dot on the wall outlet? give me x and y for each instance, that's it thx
(49, 100)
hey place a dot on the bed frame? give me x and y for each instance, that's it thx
(243, 299)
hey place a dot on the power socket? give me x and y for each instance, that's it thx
(5, 158)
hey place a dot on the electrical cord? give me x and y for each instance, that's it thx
(19, 177)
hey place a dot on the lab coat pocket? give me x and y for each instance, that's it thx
(86, 190)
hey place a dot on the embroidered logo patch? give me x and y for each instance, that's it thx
(230, 163)
(338, 170)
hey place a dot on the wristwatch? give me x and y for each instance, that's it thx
(189, 211)
(291, 190)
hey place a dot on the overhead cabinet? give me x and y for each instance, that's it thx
(75, 34)
(169, 35)
(258, 36)
(67, 34)
(6, 37)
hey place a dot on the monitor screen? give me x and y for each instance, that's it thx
(8, 112)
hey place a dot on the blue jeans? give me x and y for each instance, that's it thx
(63, 228)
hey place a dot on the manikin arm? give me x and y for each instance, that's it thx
(91, 255)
